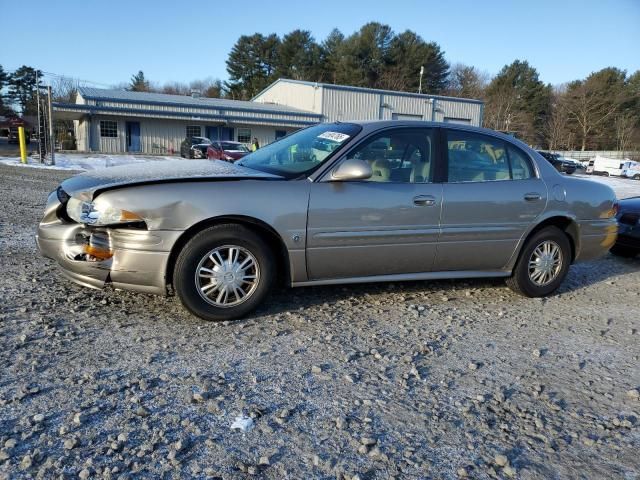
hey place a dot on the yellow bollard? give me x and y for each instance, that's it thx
(23, 145)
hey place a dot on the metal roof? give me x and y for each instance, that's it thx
(74, 111)
(91, 93)
(367, 90)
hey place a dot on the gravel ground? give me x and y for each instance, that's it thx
(441, 379)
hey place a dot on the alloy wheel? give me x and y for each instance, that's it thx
(227, 276)
(545, 263)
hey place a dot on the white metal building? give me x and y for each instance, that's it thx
(117, 121)
(340, 102)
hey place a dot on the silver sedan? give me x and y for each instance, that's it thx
(333, 203)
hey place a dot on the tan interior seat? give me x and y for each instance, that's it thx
(381, 170)
(420, 172)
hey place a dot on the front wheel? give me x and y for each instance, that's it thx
(224, 272)
(636, 177)
(543, 263)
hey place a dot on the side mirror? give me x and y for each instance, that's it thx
(352, 169)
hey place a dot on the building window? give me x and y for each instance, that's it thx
(194, 131)
(244, 135)
(108, 128)
(280, 134)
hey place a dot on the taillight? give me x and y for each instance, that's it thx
(611, 212)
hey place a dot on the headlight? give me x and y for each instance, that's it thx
(91, 213)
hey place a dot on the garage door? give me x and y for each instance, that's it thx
(460, 121)
(405, 116)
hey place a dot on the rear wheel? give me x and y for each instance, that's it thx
(543, 263)
(224, 272)
(636, 177)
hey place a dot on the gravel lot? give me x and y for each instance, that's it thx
(441, 379)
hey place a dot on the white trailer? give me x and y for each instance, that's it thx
(606, 166)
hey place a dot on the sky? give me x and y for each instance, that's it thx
(107, 42)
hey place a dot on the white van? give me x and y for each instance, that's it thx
(605, 166)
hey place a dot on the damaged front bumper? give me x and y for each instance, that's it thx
(125, 258)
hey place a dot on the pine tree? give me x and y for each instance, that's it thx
(139, 83)
(22, 89)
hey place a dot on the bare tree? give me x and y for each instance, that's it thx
(625, 128)
(466, 81)
(589, 109)
(64, 89)
(557, 128)
(176, 88)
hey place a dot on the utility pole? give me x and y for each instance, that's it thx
(51, 135)
(39, 133)
(421, 73)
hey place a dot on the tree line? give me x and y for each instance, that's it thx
(599, 112)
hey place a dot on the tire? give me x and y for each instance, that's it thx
(625, 252)
(195, 257)
(521, 279)
(636, 177)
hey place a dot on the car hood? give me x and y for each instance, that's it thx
(161, 171)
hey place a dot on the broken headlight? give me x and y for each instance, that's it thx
(99, 214)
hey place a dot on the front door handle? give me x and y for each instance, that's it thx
(532, 196)
(424, 201)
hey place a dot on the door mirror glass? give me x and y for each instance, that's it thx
(352, 169)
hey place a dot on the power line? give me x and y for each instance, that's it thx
(61, 76)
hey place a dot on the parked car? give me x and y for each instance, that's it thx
(579, 165)
(194, 147)
(226, 150)
(13, 136)
(561, 165)
(385, 201)
(628, 241)
(631, 170)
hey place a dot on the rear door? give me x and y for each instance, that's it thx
(388, 224)
(491, 196)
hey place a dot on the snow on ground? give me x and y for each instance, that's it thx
(87, 161)
(624, 187)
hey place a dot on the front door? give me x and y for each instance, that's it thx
(490, 199)
(218, 133)
(385, 225)
(133, 136)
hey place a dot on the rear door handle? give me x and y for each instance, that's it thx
(424, 200)
(532, 196)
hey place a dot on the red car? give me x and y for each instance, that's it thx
(229, 151)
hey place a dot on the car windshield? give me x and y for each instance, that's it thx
(302, 152)
(235, 147)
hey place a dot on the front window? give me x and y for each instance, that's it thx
(244, 135)
(302, 152)
(399, 156)
(108, 128)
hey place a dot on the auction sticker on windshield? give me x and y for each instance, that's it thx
(335, 136)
